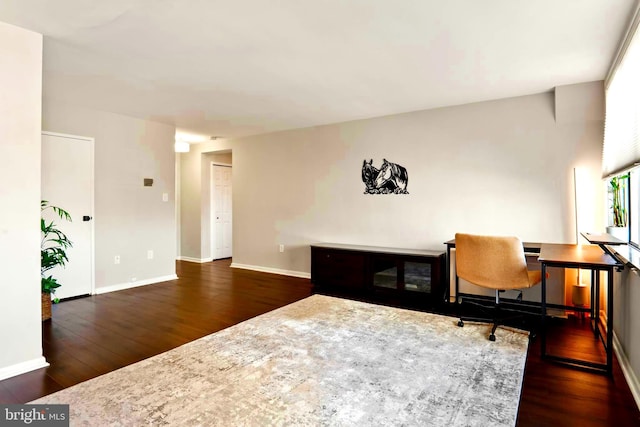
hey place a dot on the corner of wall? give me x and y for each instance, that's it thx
(581, 102)
(20, 127)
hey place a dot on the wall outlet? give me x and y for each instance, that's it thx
(149, 254)
(165, 197)
(133, 279)
(116, 259)
(281, 248)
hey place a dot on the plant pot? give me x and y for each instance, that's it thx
(621, 233)
(46, 306)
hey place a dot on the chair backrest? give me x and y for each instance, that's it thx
(492, 261)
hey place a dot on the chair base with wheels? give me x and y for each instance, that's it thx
(497, 319)
(497, 263)
(492, 336)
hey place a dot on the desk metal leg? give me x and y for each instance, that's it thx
(543, 303)
(448, 276)
(596, 316)
(457, 287)
(610, 321)
(592, 312)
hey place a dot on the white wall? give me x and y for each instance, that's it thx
(20, 109)
(626, 322)
(190, 189)
(130, 219)
(503, 167)
(177, 205)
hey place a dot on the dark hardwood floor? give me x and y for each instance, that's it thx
(95, 335)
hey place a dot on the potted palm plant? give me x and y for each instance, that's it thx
(53, 247)
(618, 186)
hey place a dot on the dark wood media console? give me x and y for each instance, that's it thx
(378, 271)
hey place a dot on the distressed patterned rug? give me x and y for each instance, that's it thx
(319, 361)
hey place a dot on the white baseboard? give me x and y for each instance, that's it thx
(625, 365)
(291, 273)
(198, 260)
(23, 367)
(629, 375)
(122, 286)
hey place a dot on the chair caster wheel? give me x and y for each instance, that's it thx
(460, 323)
(492, 337)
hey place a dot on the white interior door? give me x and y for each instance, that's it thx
(221, 211)
(67, 182)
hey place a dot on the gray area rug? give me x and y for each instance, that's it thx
(319, 361)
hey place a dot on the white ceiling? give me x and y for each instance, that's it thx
(241, 67)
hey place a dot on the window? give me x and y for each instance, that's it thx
(621, 147)
(618, 203)
(634, 207)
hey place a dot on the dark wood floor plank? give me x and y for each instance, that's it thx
(91, 336)
(554, 395)
(6, 396)
(31, 385)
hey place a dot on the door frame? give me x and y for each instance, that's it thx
(212, 221)
(92, 253)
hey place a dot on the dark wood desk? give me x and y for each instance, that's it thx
(590, 257)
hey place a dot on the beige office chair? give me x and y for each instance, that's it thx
(496, 263)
